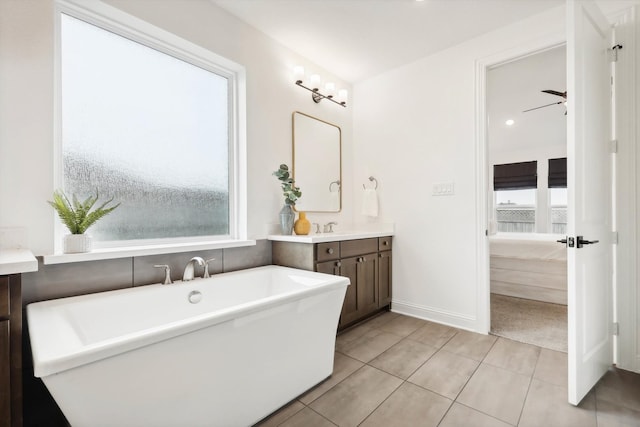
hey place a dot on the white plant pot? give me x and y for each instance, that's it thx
(77, 243)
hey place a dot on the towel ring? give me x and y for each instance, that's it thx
(337, 182)
(372, 179)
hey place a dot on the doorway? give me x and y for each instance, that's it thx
(527, 198)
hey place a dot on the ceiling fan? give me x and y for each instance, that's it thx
(551, 92)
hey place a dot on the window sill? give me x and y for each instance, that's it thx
(131, 251)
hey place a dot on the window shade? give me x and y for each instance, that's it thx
(558, 173)
(515, 176)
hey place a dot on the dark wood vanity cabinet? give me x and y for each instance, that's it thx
(366, 262)
(384, 271)
(10, 351)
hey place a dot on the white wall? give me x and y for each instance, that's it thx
(415, 127)
(27, 115)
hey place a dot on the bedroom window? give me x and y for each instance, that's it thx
(557, 183)
(514, 187)
(152, 127)
(524, 205)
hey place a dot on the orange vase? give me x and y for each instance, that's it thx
(302, 226)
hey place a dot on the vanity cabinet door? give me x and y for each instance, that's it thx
(329, 267)
(368, 283)
(384, 278)
(5, 375)
(350, 312)
(362, 295)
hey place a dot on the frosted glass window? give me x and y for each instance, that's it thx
(149, 130)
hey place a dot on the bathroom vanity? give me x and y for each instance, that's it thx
(12, 263)
(365, 258)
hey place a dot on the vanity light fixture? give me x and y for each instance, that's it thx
(315, 83)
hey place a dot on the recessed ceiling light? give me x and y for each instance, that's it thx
(509, 122)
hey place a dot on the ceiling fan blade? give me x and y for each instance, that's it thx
(542, 106)
(555, 92)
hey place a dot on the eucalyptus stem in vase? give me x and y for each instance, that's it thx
(291, 194)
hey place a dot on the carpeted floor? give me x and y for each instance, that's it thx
(532, 322)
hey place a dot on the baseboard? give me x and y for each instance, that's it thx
(448, 318)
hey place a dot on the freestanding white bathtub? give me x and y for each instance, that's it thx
(148, 356)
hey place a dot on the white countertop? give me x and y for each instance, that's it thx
(14, 261)
(336, 236)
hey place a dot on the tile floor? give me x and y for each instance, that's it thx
(396, 370)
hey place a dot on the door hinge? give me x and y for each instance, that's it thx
(614, 237)
(613, 53)
(616, 329)
(614, 146)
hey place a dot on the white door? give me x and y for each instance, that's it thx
(590, 350)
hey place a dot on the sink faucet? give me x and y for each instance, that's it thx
(189, 269)
(328, 227)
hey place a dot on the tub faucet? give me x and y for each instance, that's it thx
(328, 227)
(167, 273)
(206, 268)
(189, 269)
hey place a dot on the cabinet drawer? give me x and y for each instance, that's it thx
(384, 243)
(349, 248)
(5, 310)
(328, 251)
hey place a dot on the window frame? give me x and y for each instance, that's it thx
(125, 25)
(543, 224)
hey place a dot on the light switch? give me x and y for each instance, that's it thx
(444, 189)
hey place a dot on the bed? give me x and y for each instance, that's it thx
(531, 269)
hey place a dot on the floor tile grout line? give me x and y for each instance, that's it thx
(381, 403)
(339, 382)
(453, 402)
(306, 406)
(412, 372)
(484, 413)
(474, 371)
(524, 402)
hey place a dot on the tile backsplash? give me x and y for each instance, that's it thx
(64, 280)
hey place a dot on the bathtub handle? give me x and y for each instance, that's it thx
(167, 273)
(206, 268)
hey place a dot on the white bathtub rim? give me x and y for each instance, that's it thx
(45, 365)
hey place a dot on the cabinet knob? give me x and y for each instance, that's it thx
(361, 259)
(338, 264)
(385, 243)
(330, 250)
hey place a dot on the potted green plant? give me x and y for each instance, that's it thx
(291, 194)
(78, 216)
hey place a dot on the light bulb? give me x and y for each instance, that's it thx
(330, 89)
(509, 122)
(298, 73)
(314, 81)
(342, 95)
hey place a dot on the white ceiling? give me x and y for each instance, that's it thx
(358, 39)
(515, 87)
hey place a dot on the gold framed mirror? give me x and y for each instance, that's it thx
(317, 163)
